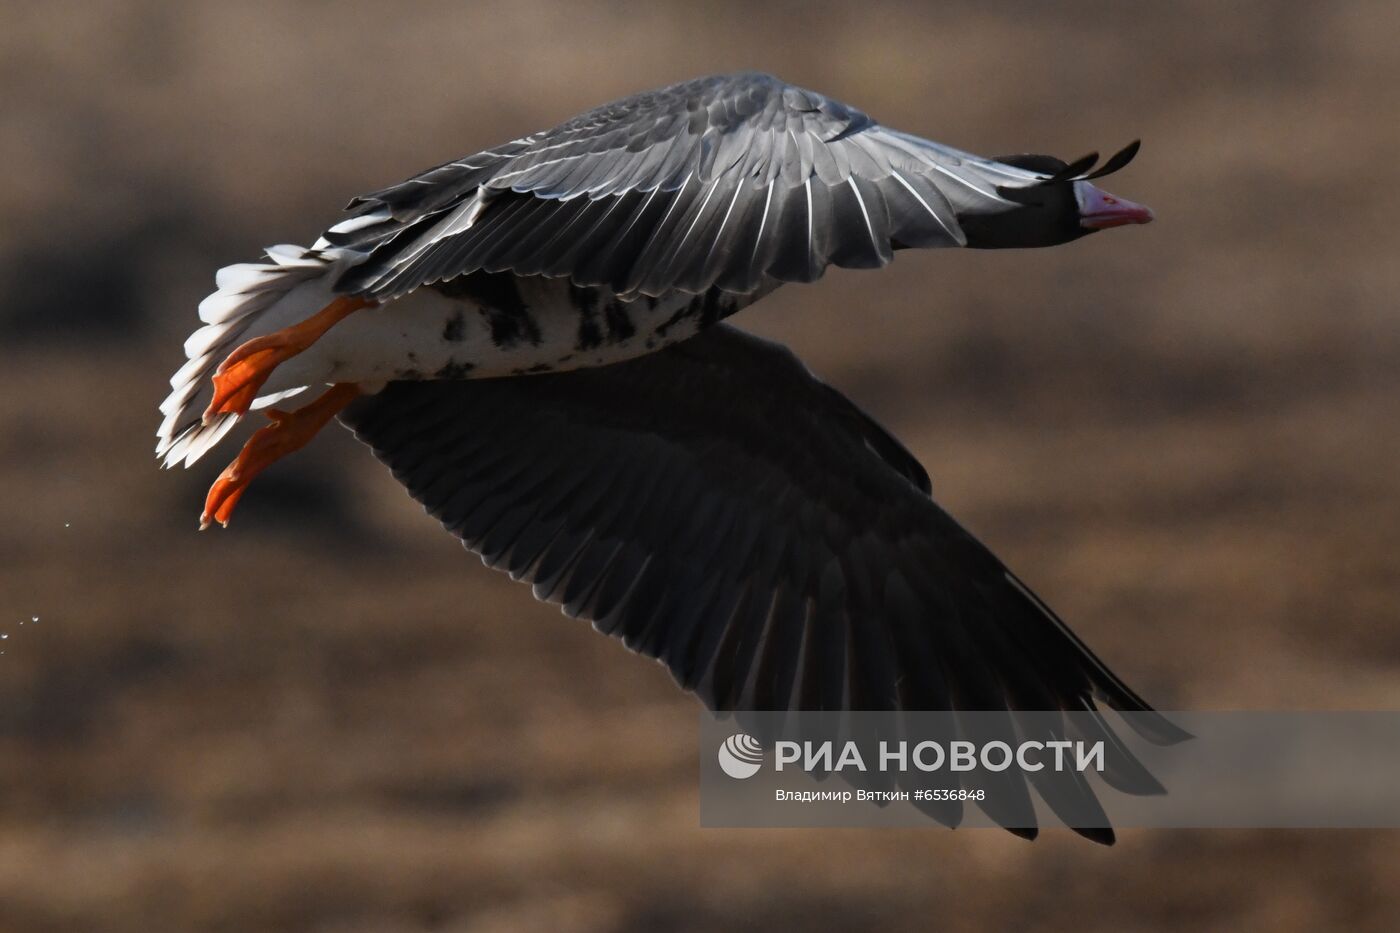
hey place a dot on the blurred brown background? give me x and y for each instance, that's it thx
(331, 719)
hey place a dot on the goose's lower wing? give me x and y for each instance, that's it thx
(718, 508)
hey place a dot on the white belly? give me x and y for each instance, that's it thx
(510, 327)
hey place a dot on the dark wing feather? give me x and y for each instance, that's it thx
(734, 180)
(716, 507)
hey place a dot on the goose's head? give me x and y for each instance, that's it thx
(1061, 206)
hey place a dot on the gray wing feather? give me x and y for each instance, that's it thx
(733, 180)
(716, 507)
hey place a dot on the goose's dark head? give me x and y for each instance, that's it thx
(1063, 206)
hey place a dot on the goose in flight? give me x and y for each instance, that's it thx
(530, 338)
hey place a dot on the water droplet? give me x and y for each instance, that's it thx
(5, 635)
(33, 618)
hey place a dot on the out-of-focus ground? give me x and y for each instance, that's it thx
(330, 718)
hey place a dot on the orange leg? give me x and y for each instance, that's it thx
(241, 375)
(289, 431)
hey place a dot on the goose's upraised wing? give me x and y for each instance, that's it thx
(731, 180)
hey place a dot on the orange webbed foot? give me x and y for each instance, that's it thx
(290, 431)
(237, 381)
(243, 372)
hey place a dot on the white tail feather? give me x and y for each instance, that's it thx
(253, 299)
